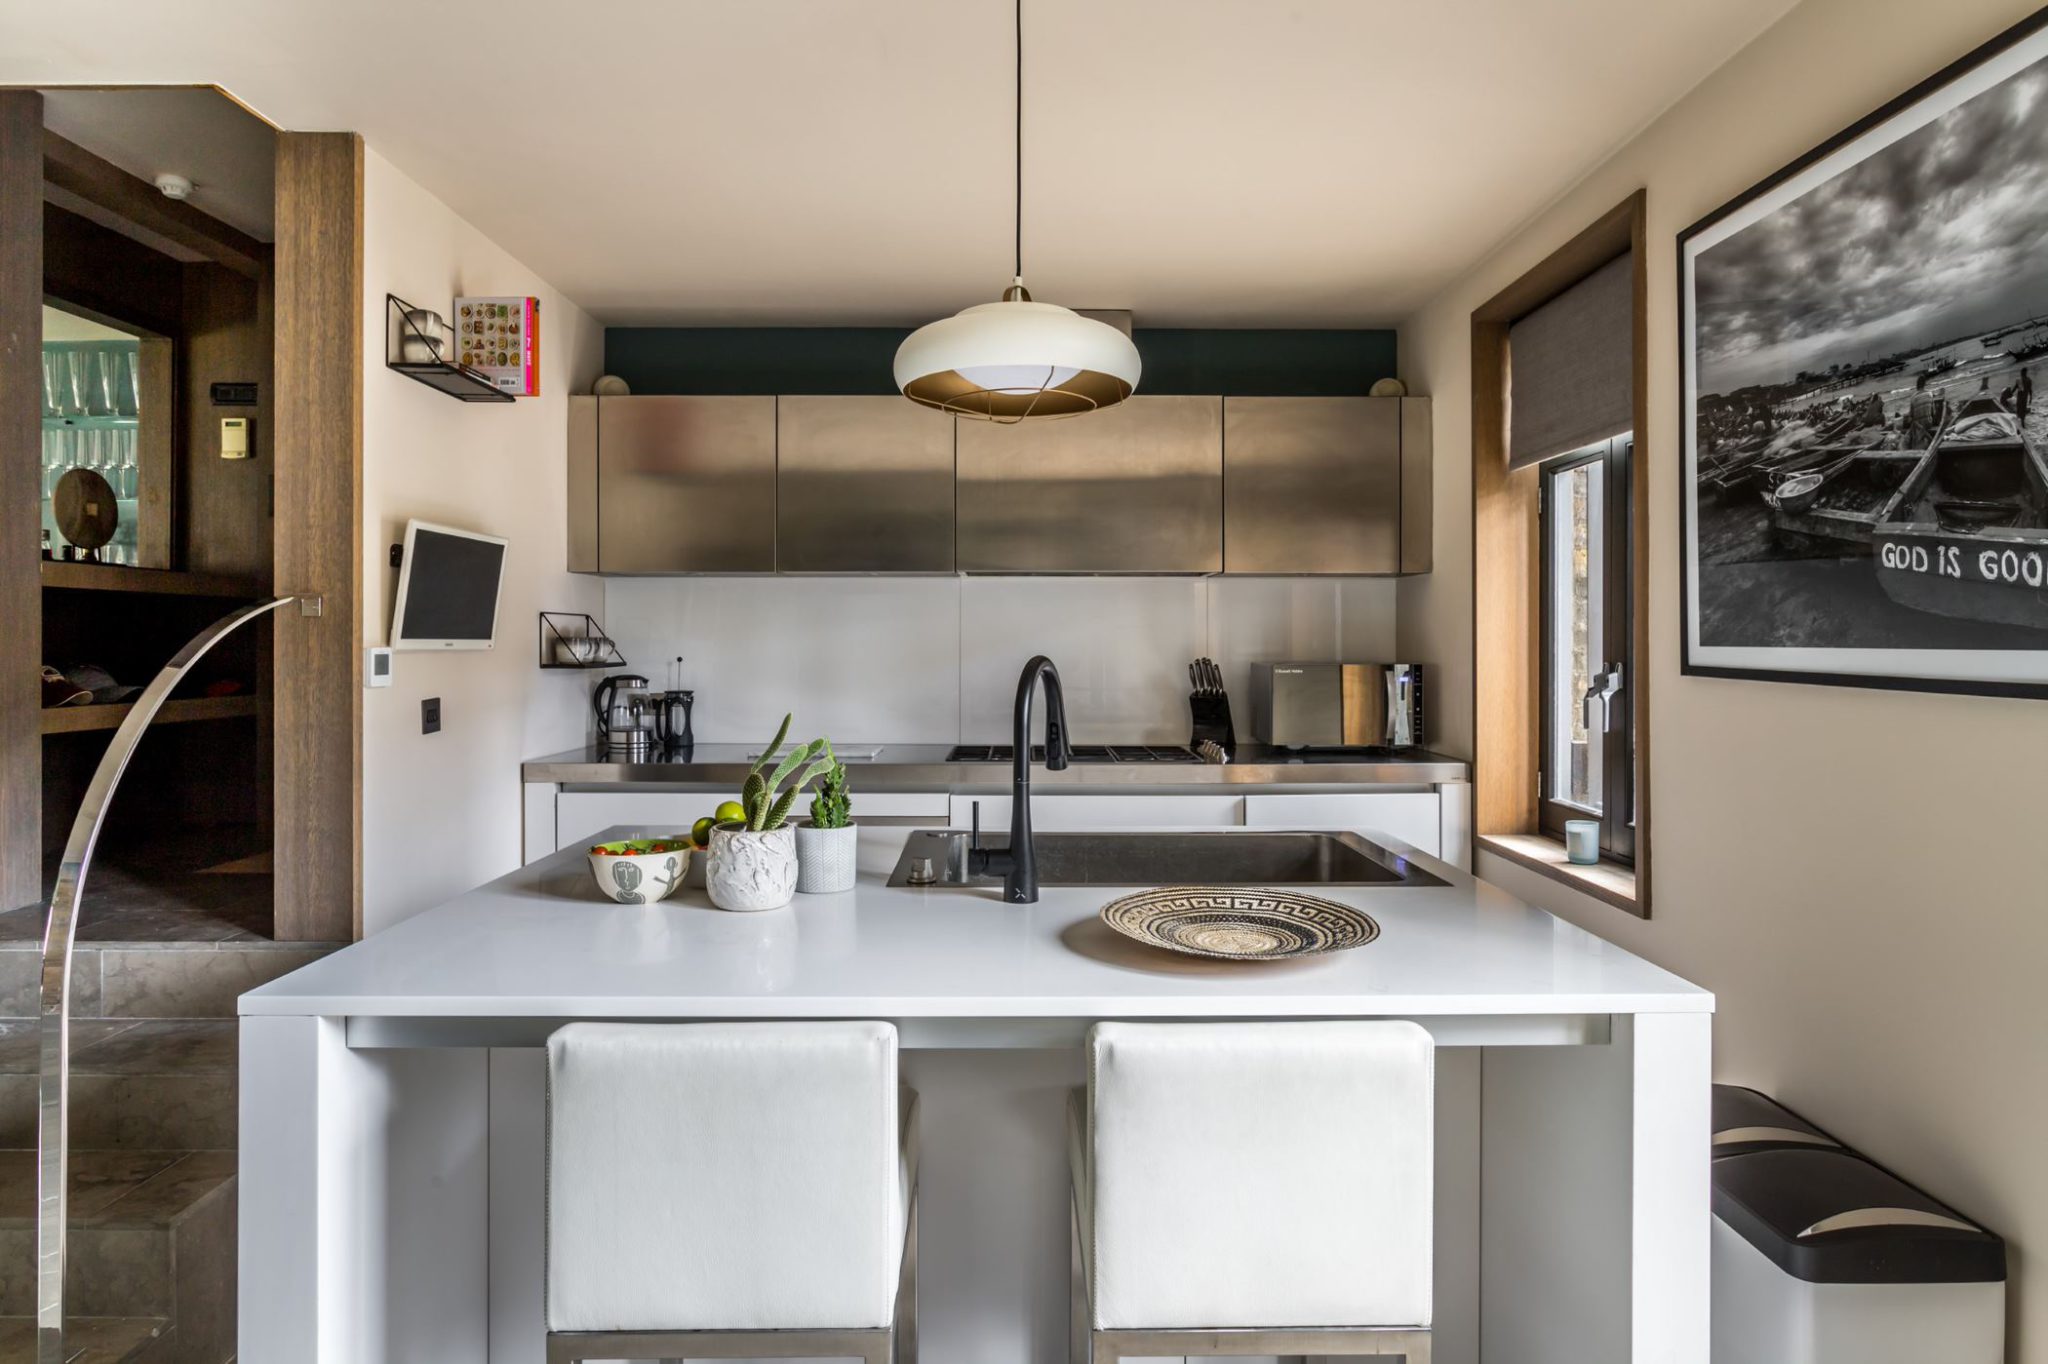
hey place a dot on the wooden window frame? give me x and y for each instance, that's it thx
(1507, 577)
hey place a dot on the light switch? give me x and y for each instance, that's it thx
(234, 437)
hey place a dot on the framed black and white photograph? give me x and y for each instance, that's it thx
(1864, 345)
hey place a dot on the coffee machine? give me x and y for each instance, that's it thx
(672, 721)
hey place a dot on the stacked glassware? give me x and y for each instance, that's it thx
(92, 401)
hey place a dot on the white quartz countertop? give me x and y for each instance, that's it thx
(543, 942)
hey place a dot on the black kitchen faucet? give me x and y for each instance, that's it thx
(1016, 863)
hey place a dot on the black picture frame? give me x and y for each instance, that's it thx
(1698, 660)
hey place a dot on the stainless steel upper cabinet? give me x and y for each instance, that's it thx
(685, 485)
(863, 485)
(1135, 488)
(582, 498)
(1312, 485)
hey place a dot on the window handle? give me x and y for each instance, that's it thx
(1606, 683)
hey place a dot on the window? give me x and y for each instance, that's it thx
(1558, 562)
(1587, 764)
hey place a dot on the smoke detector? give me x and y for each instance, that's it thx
(174, 186)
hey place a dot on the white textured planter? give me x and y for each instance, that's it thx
(749, 871)
(824, 859)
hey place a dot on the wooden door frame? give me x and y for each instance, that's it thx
(1506, 576)
(21, 425)
(316, 683)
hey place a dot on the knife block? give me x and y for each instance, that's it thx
(1212, 721)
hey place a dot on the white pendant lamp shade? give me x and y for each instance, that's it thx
(1015, 359)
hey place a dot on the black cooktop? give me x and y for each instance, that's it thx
(1082, 753)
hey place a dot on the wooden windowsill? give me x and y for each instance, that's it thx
(1608, 881)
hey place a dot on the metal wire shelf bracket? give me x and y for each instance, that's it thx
(60, 928)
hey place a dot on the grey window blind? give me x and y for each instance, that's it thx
(1571, 367)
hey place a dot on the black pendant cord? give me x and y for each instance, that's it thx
(1020, 140)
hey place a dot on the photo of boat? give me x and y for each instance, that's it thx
(1966, 536)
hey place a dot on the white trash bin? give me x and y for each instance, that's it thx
(1821, 1257)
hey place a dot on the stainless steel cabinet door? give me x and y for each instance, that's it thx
(863, 485)
(1136, 488)
(1312, 485)
(686, 485)
(582, 499)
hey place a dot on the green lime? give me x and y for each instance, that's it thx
(731, 812)
(700, 832)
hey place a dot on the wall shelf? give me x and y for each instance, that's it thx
(78, 719)
(565, 633)
(458, 381)
(79, 576)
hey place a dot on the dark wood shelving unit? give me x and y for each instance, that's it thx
(80, 719)
(76, 576)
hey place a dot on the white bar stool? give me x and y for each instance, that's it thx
(730, 1190)
(1253, 1189)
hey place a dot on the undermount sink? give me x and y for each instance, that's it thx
(1276, 858)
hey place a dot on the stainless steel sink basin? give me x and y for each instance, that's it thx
(1262, 858)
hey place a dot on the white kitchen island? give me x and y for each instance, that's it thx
(392, 1103)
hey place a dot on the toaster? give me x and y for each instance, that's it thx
(1337, 705)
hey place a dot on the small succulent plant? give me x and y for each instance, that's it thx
(762, 795)
(832, 807)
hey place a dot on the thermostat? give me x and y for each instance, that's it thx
(234, 438)
(376, 666)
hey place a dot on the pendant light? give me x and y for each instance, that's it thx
(1016, 359)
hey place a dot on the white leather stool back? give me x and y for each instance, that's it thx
(1260, 1174)
(722, 1176)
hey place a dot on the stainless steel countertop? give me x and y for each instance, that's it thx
(923, 767)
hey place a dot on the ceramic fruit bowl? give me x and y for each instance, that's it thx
(639, 871)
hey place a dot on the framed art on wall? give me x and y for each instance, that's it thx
(1865, 452)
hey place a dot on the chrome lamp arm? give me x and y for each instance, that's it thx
(60, 928)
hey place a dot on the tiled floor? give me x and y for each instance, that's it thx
(164, 892)
(169, 935)
(101, 1340)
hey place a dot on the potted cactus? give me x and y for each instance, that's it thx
(825, 846)
(752, 862)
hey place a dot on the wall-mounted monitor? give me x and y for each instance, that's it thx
(448, 585)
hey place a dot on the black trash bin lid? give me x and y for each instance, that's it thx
(1746, 1120)
(1828, 1216)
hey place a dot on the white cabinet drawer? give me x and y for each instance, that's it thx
(1413, 817)
(581, 815)
(1068, 812)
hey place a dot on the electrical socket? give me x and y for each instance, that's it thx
(430, 715)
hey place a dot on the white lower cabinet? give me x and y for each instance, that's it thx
(1417, 818)
(1413, 817)
(582, 815)
(1065, 812)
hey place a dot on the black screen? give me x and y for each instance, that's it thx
(451, 587)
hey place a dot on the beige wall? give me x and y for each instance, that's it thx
(441, 812)
(1860, 876)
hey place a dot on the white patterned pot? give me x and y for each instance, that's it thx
(824, 859)
(749, 871)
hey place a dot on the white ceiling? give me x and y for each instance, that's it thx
(1200, 162)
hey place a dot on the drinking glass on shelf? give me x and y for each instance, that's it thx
(70, 382)
(107, 372)
(56, 459)
(134, 368)
(131, 479)
(53, 382)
